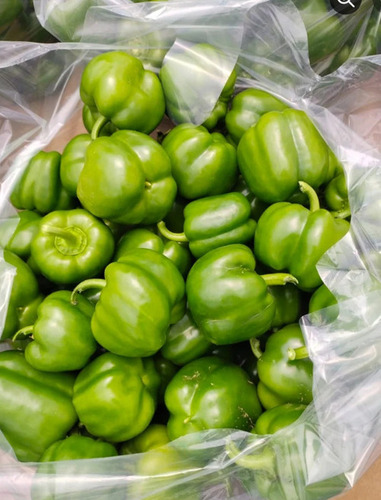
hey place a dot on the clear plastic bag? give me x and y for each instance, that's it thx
(338, 436)
(18, 21)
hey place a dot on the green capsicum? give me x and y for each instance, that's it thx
(154, 436)
(115, 397)
(77, 447)
(209, 393)
(336, 196)
(137, 186)
(214, 222)
(72, 162)
(144, 238)
(72, 245)
(277, 418)
(62, 338)
(283, 148)
(117, 86)
(246, 109)
(17, 233)
(288, 304)
(323, 306)
(228, 300)
(289, 379)
(293, 237)
(24, 297)
(138, 298)
(36, 407)
(39, 187)
(92, 117)
(203, 164)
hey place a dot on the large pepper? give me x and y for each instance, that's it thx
(214, 222)
(17, 233)
(191, 70)
(290, 236)
(228, 300)
(72, 245)
(62, 338)
(277, 418)
(203, 164)
(246, 109)
(36, 407)
(137, 186)
(24, 298)
(209, 393)
(77, 447)
(289, 379)
(40, 188)
(117, 86)
(282, 149)
(138, 297)
(115, 397)
(144, 238)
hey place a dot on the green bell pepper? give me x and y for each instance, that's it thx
(228, 300)
(40, 188)
(166, 370)
(194, 65)
(277, 418)
(24, 297)
(72, 162)
(144, 238)
(77, 447)
(214, 222)
(185, 342)
(115, 397)
(17, 233)
(240, 354)
(155, 436)
(321, 298)
(136, 188)
(203, 164)
(92, 117)
(282, 149)
(62, 338)
(117, 86)
(72, 245)
(290, 236)
(336, 196)
(138, 297)
(247, 107)
(289, 379)
(266, 396)
(36, 407)
(209, 393)
(288, 304)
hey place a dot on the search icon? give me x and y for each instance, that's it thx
(345, 6)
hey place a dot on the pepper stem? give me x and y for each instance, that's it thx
(169, 235)
(279, 279)
(98, 125)
(312, 196)
(86, 285)
(298, 353)
(341, 214)
(260, 461)
(61, 233)
(256, 347)
(25, 332)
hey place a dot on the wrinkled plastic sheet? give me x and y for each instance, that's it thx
(338, 436)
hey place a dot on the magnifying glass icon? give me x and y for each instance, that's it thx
(347, 2)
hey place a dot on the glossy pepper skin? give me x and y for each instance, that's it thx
(17, 233)
(144, 238)
(194, 65)
(215, 221)
(198, 398)
(117, 85)
(293, 237)
(77, 447)
(336, 196)
(115, 396)
(62, 338)
(40, 188)
(72, 162)
(138, 297)
(288, 379)
(203, 164)
(321, 298)
(277, 418)
(137, 186)
(154, 436)
(72, 245)
(282, 149)
(185, 342)
(288, 304)
(228, 300)
(246, 109)
(24, 294)
(42, 400)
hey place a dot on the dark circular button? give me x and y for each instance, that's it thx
(346, 6)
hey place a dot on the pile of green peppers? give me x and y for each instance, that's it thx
(158, 283)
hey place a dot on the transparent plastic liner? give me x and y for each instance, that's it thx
(338, 436)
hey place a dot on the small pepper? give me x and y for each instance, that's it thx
(277, 418)
(17, 233)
